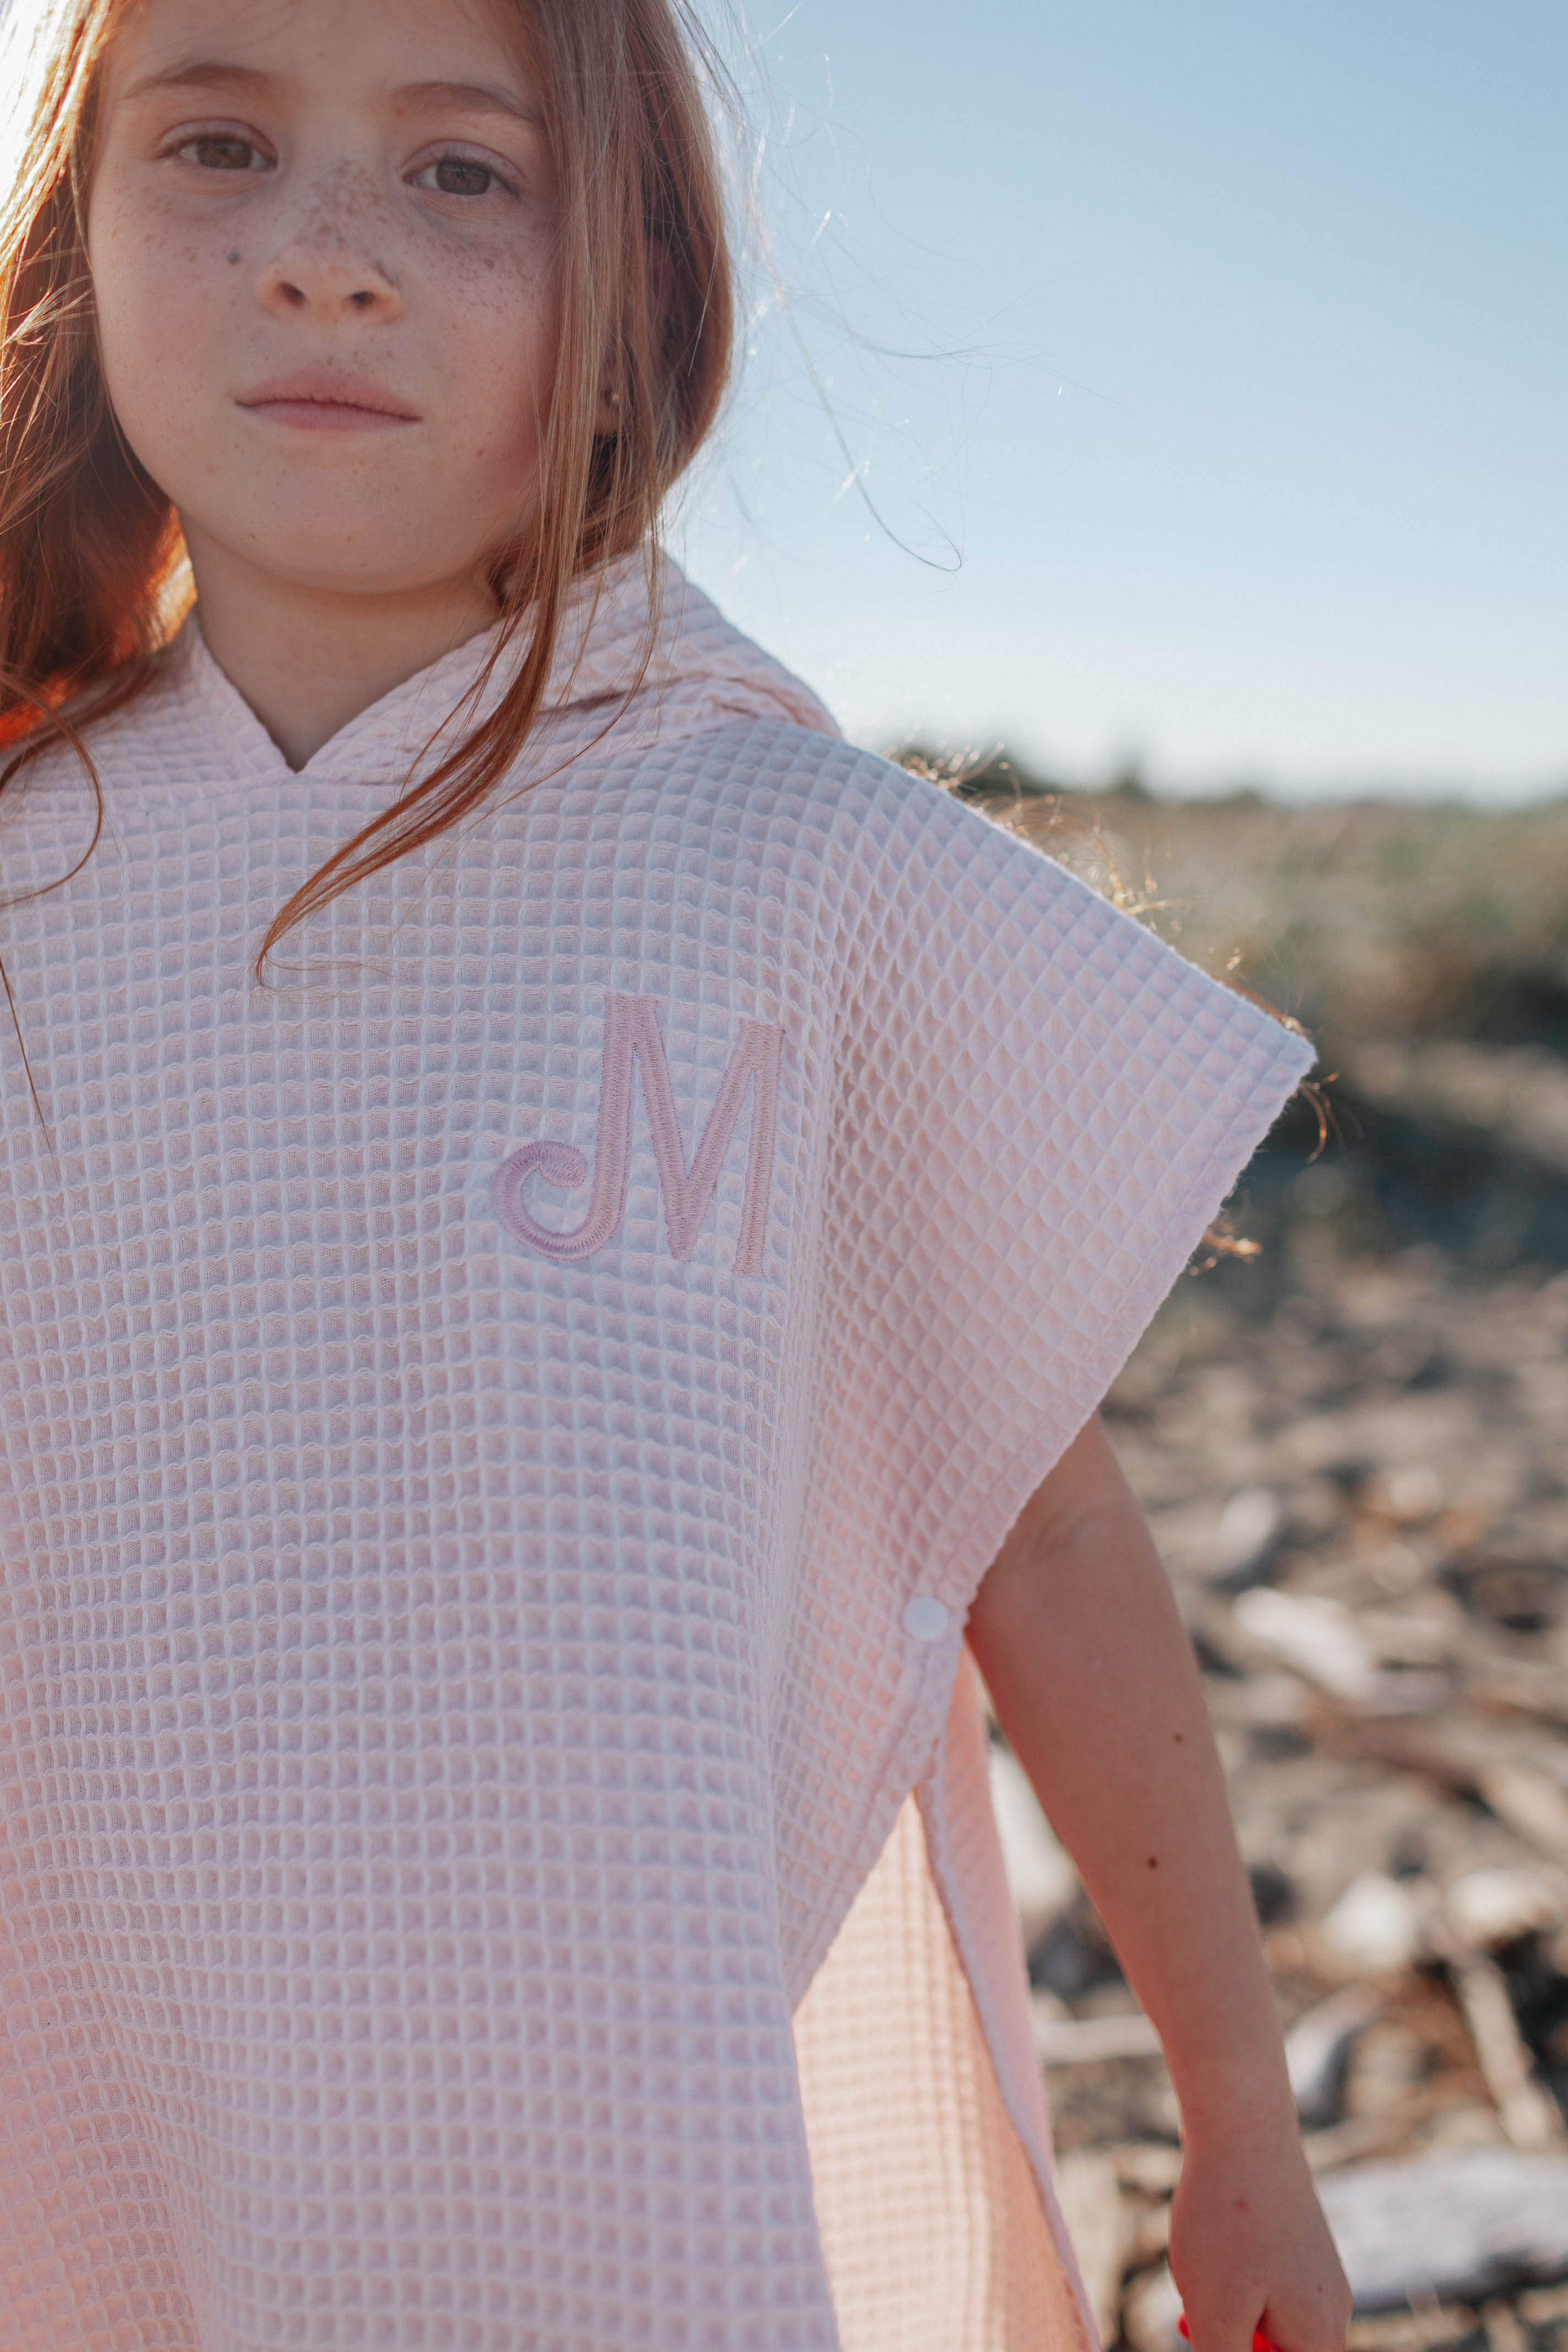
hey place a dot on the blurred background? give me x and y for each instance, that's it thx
(1152, 425)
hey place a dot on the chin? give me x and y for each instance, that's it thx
(340, 553)
(326, 574)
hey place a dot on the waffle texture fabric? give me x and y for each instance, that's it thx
(500, 1431)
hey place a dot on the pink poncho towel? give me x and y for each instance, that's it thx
(499, 1434)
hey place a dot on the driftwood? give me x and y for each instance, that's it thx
(1100, 2223)
(1317, 2046)
(1529, 2114)
(1090, 2041)
(1449, 2227)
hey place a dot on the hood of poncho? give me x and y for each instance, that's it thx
(700, 672)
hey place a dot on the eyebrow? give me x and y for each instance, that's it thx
(479, 96)
(476, 97)
(206, 71)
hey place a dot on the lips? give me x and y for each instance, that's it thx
(322, 400)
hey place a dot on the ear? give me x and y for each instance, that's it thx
(608, 415)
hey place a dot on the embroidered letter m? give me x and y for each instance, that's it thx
(632, 1034)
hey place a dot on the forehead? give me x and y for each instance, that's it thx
(322, 49)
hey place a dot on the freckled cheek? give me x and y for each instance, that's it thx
(508, 294)
(164, 360)
(178, 353)
(501, 327)
(159, 290)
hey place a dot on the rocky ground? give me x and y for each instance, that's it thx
(1353, 1449)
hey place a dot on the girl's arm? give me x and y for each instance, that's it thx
(1076, 1633)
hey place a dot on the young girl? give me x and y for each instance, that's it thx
(562, 1230)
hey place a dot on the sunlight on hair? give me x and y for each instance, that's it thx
(94, 581)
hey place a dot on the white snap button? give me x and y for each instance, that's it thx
(925, 1619)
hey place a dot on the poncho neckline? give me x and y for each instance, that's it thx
(596, 662)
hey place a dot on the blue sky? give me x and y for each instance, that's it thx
(1225, 344)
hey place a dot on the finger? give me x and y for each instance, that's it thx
(1260, 2343)
(1308, 2323)
(1224, 2324)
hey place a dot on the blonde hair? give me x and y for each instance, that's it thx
(90, 552)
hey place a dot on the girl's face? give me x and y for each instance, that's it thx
(324, 238)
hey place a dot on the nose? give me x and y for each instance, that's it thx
(327, 266)
(333, 287)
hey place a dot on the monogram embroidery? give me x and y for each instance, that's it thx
(632, 1033)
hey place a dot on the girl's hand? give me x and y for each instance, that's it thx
(1250, 2248)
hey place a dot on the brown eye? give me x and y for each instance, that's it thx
(223, 154)
(456, 175)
